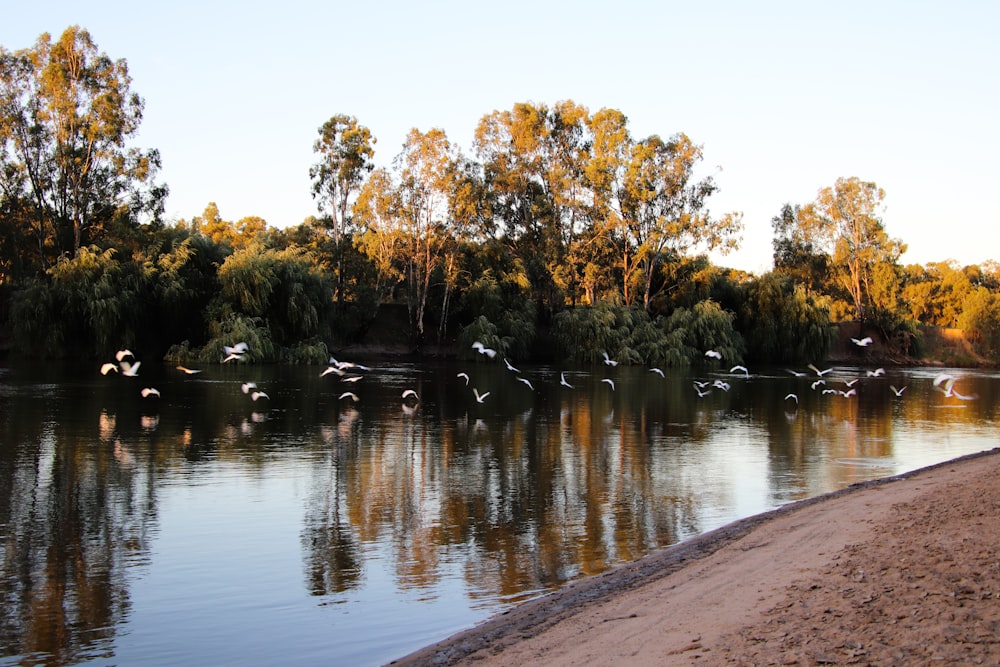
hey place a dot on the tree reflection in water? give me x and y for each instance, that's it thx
(501, 500)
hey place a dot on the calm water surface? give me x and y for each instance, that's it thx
(205, 528)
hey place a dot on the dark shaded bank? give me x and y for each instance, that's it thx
(532, 618)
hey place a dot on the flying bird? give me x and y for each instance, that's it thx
(657, 371)
(259, 394)
(482, 349)
(819, 372)
(742, 369)
(121, 354)
(525, 381)
(898, 392)
(247, 386)
(189, 371)
(149, 391)
(610, 382)
(701, 393)
(108, 367)
(608, 361)
(331, 369)
(509, 367)
(862, 342)
(817, 383)
(875, 373)
(350, 395)
(131, 370)
(794, 397)
(562, 380)
(480, 397)
(713, 354)
(464, 375)
(410, 393)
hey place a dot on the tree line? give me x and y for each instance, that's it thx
(559, 234)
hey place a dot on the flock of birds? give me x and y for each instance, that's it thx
(349, 372)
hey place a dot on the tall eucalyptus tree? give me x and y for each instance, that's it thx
(346, 151)
(67, 114)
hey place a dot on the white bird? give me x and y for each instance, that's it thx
(850, 383)
(189, 371)
(849, 393)
(331, 369)
(944, 379)
(525, 381)
(108, 367)
(793, 397)
(121, 354)
(410, 393)
(247, 386)
(713, 354)
(351, 378)
(608, 361)
(722, 384)
(898, 392)
(862, 342)
(479, 397)
(562, 380)
(259, 394)
(875, 373)
(509, 367)
(128, 369)
(817, 383)
(657, 371)
(482, 349)
(700, 392)
(232, 356)
(149, 391)
(464, 375)
(819, 372)
(701, 384)
(830, 391)
(798, 374)
(610, 382)
(350, 395)
(743, 369)
(239, 348)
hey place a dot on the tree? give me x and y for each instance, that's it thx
(66, 115)
(346, 150)
(533, 159)
(426, 168)
(794, 255)
(648, 202)
(845, 221)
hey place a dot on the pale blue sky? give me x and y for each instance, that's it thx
(784, 97)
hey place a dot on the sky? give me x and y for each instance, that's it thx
(783, 97)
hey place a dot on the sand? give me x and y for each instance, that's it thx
(899, 571)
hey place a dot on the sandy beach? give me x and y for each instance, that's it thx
(899, 571)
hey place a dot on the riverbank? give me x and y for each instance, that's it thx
(903, 570)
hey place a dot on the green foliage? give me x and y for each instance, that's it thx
(980, 320)
(782, 324)
(705, 327)
(627, 334)
(235, 328)
(282, 289)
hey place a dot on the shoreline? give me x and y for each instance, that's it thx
(713, 599)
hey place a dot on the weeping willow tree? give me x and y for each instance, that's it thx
(89, 306)
(706, 326)
(270, 299)
(782, 323)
